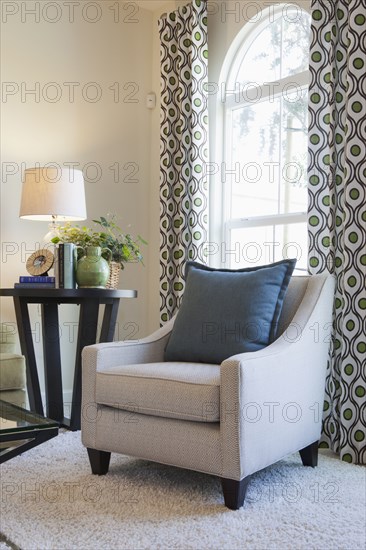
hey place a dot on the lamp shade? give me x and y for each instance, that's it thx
(53, 193)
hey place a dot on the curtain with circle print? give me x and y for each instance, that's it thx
(183, 148)
(337, 209)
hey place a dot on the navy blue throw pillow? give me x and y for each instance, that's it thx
(225, 312)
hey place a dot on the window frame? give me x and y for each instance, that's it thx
(231, 100)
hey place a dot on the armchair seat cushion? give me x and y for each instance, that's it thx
(185, 391)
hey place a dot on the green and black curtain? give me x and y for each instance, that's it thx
(183, 148)
(337, 209)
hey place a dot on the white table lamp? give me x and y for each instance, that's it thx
(53, 194)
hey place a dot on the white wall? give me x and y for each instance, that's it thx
(116, 48)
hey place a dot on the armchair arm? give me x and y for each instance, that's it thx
(146, 350)
(272, 400)
(109, 355)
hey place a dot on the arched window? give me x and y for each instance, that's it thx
(264, 174)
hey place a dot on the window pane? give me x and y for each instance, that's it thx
(271, 243)
(293, 189)
(295, 43)
(262, 62)
(293, 239)
(255, 159)
(280, 50)
(269, 155)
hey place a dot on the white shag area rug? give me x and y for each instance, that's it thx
(51, 501)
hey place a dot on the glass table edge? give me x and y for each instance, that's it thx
(32, 420)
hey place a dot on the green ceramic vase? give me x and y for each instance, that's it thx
(92, 269)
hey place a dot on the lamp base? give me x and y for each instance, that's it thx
(52, 233)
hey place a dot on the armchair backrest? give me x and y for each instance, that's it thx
(307, 288)
(300, 288)
(7, 338)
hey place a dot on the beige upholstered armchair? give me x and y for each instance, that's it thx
(230, 419)
(12, 368)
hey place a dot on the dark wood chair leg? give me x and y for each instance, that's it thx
(234, 492)
(309, 455)
(99, 461)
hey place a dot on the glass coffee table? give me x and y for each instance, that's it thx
(21, 430)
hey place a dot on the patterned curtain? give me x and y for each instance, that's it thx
(183, 149)
(337, 209)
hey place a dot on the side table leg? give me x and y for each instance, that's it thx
(26, 345)
(109, 321)
(87, 335)
(52, 361)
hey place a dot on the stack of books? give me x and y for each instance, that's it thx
(41, 281)
(64, 271)
(65, 265)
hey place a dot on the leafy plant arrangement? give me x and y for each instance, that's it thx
(124, 247)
